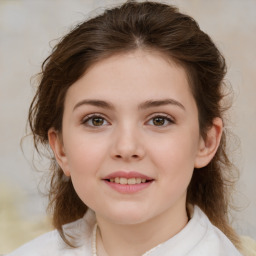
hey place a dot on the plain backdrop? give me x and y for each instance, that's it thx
(28, 30)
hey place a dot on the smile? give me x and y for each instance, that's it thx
(125, 181)
(128, 182)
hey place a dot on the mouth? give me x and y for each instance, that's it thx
(127, 178)
(128, 182)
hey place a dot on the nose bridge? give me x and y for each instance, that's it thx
(127, 141)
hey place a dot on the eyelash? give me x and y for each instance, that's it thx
(90, 117)
(165, 117)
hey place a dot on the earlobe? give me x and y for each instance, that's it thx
(208, 146)
(57, 147)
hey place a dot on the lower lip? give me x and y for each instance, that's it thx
(128, 189)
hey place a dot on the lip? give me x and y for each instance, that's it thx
(127, 175)
(127, 188)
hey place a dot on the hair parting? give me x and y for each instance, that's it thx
(133, 26)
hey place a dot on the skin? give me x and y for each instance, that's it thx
(129, 137)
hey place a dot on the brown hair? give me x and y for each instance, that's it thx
(129, 27)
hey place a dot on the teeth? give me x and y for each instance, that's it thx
(125, 181)
(131, 181)
(138, 180)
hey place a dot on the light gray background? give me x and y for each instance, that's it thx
(27, 27)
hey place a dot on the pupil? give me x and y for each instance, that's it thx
(97, 121)
(158, 121)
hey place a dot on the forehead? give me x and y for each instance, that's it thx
(146, 72)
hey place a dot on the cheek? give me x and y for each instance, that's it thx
(175, 159)
(85, 154)
(179, 150)
(85, 158)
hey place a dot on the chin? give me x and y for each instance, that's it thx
(128, 216)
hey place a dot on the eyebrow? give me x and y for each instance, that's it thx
(158, 103)
(96, 103)
(142, 106)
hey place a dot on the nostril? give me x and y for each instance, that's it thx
(135, 157)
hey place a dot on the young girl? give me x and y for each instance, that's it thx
(130, 103)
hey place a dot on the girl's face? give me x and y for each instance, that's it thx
(130, 119)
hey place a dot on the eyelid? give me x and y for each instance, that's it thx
(163, 115)
(154, 115)
(90, 116)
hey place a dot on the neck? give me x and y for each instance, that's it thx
(136, 239)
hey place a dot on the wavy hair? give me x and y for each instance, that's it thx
(137, 25)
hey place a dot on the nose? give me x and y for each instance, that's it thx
(127, 144)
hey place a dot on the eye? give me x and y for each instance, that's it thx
(94, 121)
(161, 120)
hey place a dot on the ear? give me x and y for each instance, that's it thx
(56, 143)
(209, 145)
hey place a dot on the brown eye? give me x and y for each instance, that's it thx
(97, 121)
(94, 121)
(159, 121)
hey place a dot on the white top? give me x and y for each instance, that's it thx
(198, 237)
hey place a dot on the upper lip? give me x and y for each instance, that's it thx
(127, 175)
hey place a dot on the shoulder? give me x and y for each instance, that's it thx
(47, 244)
(51, 243)
(198, 238)
(213, 241)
